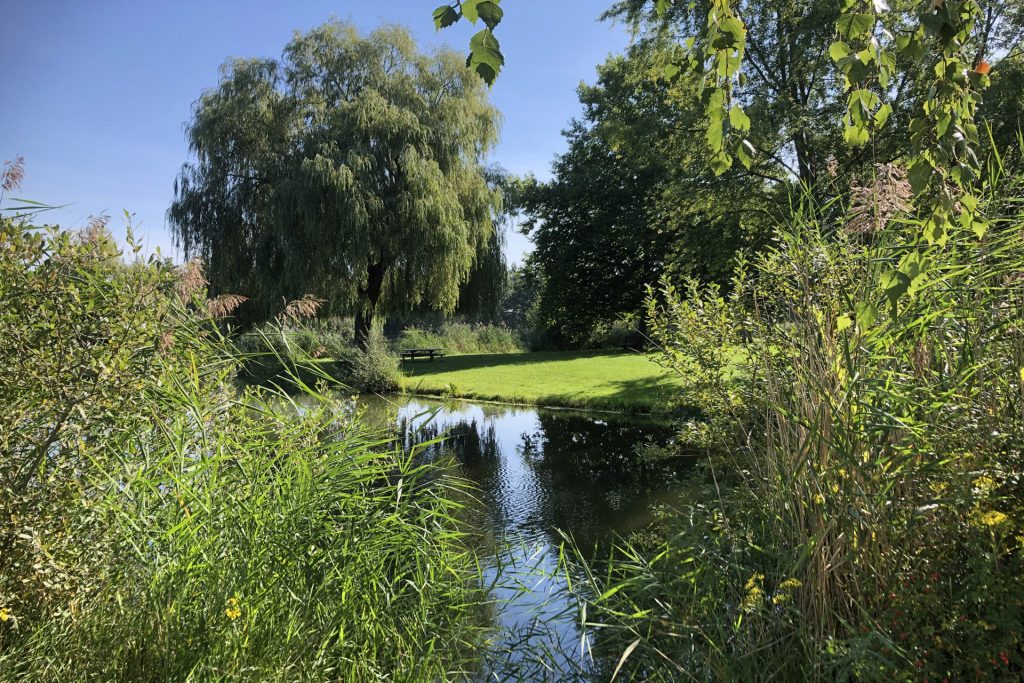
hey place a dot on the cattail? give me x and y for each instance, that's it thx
(873, 206)
(13, 173)
(190, 279)
(306, 307)
(224, 305)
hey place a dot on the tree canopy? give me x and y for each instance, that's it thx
(350, 169)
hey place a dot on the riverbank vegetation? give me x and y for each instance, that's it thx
(866, 462)
(156, 524)
(810, 215)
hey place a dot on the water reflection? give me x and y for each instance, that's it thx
(541, 473)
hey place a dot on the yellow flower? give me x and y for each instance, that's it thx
(755, 593)
(233, 611)
(819, 499)
(990, 518)
(985, 485)
(5, 614)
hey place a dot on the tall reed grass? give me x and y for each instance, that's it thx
(866, 520)
(157, 523)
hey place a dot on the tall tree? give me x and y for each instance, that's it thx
(633, 198)
(350, 169)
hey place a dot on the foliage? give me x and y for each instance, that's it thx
(375, 368)
(458, 337)
(155, 524)
(870, 521)
(485, 56)
(632, 200)
(349, 170)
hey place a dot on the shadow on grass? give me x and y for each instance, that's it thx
(492, 360)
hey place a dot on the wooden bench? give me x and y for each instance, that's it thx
(413, 354)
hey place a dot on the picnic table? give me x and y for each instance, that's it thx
(413, 354)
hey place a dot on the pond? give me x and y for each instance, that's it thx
(543, 473)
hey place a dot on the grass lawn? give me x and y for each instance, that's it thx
(578, 379)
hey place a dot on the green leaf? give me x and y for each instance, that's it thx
(883, 114)
(661, 6)
(843, 322)
(485, 56)
(445, 16)
(745, 152)
(490, 13)
(486, 72)
(895, 284)
(919, 175)
(721, 163)
(866, 314)
(855, 24)
(838, 50)
(469, 10)
(715, 135)
(738, 118)
(856, 136)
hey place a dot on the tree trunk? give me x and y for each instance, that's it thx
(370, 295)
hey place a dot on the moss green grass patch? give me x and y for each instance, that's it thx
(580, 379)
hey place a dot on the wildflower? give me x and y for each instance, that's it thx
(782, 595)
(755, 593)
(819, 499)
(5, 614)
(233, 610)
(990, 518)
(984, 485)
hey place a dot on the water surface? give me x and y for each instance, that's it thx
(543, 475)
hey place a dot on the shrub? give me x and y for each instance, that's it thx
(158, 525)
(872, 517)
(375, 369)
(459, 337)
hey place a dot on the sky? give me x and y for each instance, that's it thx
(96, 93)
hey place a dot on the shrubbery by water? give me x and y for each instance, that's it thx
(157, 523)
(868, 522)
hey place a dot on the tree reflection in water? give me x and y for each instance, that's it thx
(540, 474)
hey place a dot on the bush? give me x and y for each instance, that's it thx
(459, 337)
(158, 525)
(872, 520)
(375, 369)
(623, 333)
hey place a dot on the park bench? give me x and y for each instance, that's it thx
(413, 354)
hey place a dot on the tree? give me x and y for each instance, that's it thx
(632, 199)
(350, 169)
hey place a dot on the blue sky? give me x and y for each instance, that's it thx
(96, 93)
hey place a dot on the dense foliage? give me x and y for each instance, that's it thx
(869, 523)
(350, 170)
(156, 524)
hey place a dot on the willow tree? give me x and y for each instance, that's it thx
(350, 169)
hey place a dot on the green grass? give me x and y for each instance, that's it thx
(581, 379)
